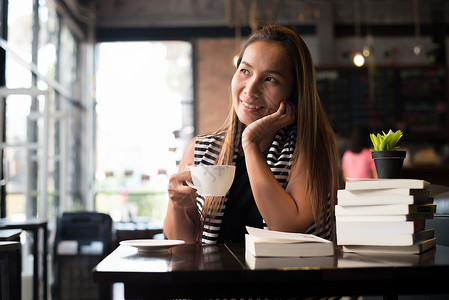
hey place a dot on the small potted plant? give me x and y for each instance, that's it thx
(387, 158)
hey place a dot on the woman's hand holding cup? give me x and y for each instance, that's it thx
(180, 194)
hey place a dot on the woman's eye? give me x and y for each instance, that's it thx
(271, 79)
(244, 71)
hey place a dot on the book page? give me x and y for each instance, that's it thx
(279, 235)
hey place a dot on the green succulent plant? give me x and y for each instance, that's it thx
(386, 141)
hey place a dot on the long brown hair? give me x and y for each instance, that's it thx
(316, 141)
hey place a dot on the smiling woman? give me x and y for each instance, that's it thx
(279, 139)
(143, 88)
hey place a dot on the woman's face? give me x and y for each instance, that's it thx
(263, 79)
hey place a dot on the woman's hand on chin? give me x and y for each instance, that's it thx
(261, 132)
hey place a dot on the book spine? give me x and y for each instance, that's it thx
(424, 235)
(422, 209)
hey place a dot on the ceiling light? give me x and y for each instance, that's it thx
(359, 60)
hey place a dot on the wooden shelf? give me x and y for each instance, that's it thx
(411, 98)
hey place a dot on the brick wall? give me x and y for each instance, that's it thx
(214, 74)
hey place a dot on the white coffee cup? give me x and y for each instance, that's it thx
(212, 180)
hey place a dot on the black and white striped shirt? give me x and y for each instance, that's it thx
(279, 159)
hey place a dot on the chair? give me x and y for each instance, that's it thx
(82, 239)
(10, 270)
(440, 221)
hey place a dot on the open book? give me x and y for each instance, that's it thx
(260, 242)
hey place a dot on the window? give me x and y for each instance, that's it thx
(18, 108)
(144, 120)
(41, 100)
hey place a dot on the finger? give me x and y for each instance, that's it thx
(289, 115)
(183, 176)
(176, 182)
(284, 109)
(181, 193)
(281, 109)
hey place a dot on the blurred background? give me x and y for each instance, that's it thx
(100, 97)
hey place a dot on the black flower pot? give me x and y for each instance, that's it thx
(388, 163)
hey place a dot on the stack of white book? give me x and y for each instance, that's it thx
(385, 215)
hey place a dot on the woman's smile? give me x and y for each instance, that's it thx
(251, 106)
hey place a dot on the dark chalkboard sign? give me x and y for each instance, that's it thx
(413, 99)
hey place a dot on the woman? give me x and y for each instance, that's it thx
(357, 161)
(278, 136)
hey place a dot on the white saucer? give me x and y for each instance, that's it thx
(148, 245)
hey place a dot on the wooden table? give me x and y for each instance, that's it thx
(221, 271)
(10, 270)
(34, 226)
